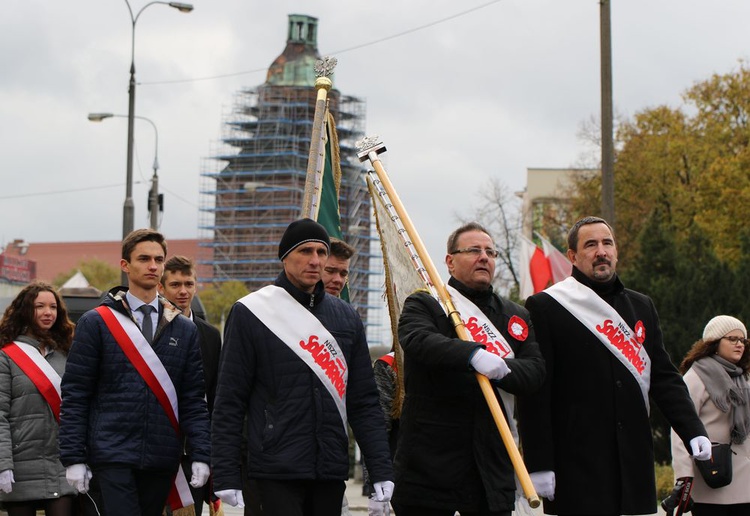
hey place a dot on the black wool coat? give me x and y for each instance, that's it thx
(589, 423)
(450, 455)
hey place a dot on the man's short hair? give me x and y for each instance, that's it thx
(585, 221)
(341, 249)
(469, 226)
(141, 235)
(176, 264)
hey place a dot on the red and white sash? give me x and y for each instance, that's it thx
(145, 360)
(40, 372)
(307, 338)
(608, 326)
(483, 331)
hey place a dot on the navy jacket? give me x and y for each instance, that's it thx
(110, 416)
(294, 429)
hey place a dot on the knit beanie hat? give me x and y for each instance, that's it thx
(300, 232)
(720, 326)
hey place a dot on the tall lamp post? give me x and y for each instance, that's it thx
(153, 202)
(127, 210)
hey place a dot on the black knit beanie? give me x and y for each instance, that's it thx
(300, 232)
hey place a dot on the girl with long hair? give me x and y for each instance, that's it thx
(35, 336)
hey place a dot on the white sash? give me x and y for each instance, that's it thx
(307, 338)
(41, 363)
(608, 326)
(147, 363)
(484, 332)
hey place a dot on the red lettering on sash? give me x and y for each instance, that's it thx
(624, 342)
(483, 335)
(333, 367)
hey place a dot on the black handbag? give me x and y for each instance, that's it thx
(717, 471)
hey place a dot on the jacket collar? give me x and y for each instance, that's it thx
(604, 290)
(305, 299)
(116, 299)
(478, 297)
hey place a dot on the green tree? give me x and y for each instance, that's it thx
(100, 274)
(219, 298)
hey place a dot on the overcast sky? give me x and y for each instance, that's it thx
(480, 95)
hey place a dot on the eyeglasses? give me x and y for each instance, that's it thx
(734, 340)
(477, 251)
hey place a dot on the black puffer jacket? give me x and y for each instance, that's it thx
(294, 428)
(450, 454)
(109, 414)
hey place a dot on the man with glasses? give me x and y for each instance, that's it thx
(450, 456)
(586, 434)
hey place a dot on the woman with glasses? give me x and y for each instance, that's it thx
(716, 372)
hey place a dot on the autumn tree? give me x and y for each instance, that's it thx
(100, 274)
(219, 298)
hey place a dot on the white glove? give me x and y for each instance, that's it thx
(375, 508)
(78, 476)
(544, 483)
(489, 364)
(701, 447)
(200, 474)
(231, 497)
(6, 481)
(383, 491)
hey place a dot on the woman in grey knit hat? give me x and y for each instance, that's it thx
(716, 372)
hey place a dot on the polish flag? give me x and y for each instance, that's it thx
(536, 273)
(559, 264)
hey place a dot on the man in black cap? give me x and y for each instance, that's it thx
(295, 359)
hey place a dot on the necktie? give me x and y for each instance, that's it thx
(147, 328)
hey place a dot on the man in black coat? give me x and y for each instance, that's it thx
(179, 285)
(586, 435)
(295, 360)
(450, 456)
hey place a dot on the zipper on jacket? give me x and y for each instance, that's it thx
(312, 300)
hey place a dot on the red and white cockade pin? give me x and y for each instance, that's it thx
(518, 328)
(640, 332)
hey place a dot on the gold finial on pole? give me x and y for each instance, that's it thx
(310, 201)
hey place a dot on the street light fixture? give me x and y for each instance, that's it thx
(153, 202)
(127, 210)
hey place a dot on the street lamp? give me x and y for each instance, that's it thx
(153, 202)
(127, 210)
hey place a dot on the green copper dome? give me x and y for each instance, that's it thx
(294, 67)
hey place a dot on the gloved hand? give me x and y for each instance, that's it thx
(489, 364)
(679, 497)
(701, 447)
(383, 491)
(78, 476)
(231, 497)
(544, 483)
(6, 481)
(200, 474)
(375, 508)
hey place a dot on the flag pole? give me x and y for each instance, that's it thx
(370, 148)
(311, 198)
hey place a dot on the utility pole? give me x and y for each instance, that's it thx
(608, 148)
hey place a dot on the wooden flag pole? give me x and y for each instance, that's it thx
(311, 198)
(369, 150)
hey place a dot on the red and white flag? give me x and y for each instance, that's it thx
(559, 264)
(536, 273)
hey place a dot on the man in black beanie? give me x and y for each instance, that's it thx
(296, 361)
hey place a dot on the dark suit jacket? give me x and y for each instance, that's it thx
(209, 339)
